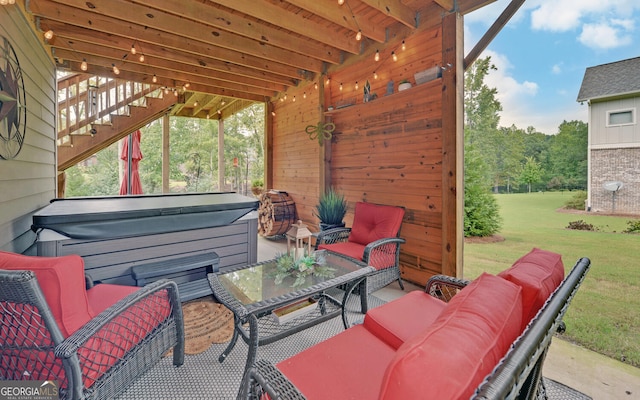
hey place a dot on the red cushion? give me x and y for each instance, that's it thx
(462, 346)
(109, 345)
(350, 365)
(62, 282)
(375, 221)
(538, 273)
(399, 320)
(104, 295)
(349, 249)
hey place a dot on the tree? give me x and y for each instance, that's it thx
(531, 172)
(481, 213)
(480, 162)
(568, 153)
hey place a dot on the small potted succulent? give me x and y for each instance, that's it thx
(257, 186)
(331, 210)
(404, 85)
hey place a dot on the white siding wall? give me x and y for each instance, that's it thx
(614, 136)
(28, 182)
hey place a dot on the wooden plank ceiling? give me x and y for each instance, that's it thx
(222, 55)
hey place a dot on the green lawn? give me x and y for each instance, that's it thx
(604, 316)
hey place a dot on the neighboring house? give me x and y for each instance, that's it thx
(612, 92)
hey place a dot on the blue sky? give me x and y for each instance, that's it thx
(544, 50)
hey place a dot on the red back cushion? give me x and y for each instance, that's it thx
(374, 221)
(451, 358)
(539, 273)
(62, 282)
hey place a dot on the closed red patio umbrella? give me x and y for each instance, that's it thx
(136, 156)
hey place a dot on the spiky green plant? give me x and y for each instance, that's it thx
(331, 208)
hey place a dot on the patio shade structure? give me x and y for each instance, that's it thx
(132, 170)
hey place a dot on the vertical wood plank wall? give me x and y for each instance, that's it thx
(388, 151)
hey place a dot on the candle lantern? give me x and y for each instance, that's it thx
(297, 235)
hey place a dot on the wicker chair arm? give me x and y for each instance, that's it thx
(265, 378)
(333, 235)
(70, 345)
(394, 242)
(444, 287)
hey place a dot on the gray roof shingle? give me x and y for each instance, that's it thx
(608, 80)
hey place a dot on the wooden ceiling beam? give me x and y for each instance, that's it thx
(296, 23)
(159, 66)
(236, 23)
(109, 11)
(338, 16)
(396, 10)
(173, 73)
(85, 41)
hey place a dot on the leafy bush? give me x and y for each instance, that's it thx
(634, 226)
(576, 202)
(581, 226)
(481, 213)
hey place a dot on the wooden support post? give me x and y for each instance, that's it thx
(324, 168)
(452, 144)
(221, 185)
(268, 146)
(165, 154)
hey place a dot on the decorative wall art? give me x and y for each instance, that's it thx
(13, 111)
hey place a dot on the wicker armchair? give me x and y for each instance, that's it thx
(101, 358)
(374, 238)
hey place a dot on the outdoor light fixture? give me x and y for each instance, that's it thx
(297, 234)
(48, 34)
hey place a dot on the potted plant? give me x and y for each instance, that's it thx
(257, 186)
(331, 210)
(404, 84)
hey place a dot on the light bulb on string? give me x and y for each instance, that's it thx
(356, 85)
(315, 86)
(340, 2)
(83, 65)
(115, 69)
(394, 56)
(133, 49)
(341, 86)
(304, 95)
(294, 99)
(377, 56)
(375, 75)
(359, 35)
(404, 46)
(48, 34)
(154, 79)
(141, 58)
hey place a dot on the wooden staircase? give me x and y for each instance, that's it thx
(95, 112)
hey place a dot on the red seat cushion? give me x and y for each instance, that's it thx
(61, 280)
(104, 295)
(350, 365)
(349, 249)
(451, 358)
(539, 273)
(399, 320)
(375, 221)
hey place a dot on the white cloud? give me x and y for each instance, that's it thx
(556, 69)
(603, 36)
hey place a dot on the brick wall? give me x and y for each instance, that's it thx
(615, 165)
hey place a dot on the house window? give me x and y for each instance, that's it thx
(621, 117)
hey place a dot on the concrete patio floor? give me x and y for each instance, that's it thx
(598, 376)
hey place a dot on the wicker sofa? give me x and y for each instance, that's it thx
(94, 342)
(485, 339)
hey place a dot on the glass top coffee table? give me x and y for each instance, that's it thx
(252, 294)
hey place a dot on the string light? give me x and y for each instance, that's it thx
(327, 82)
(166, 90)
(48, 34)
(195, 104)
(375, 75)
(341, 86)
(175, 92)
(377, 56)
(394, 56)
(404, 46)
(141, 58)
(273, 113)
(359, 35)
(315, 86)
(294, 99)
(154, 79)
(83, 65)
(115, 69)
(304, 95)
(340, 2)
(356, 85)
(133, 49)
